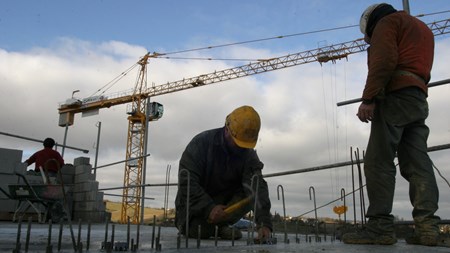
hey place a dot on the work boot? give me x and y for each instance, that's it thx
(367, 237)
(226, 233)
(429, 240)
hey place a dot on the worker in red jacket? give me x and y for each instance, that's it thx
(47, 158)
(400, 58)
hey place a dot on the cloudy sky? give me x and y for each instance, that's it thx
(48, 49)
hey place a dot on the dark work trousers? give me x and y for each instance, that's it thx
(208, 229)
(399, 128)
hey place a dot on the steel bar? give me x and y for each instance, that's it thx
(40, 141)
(356, 100)
(339, 164)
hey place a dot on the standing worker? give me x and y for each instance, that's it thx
(222, 165)
(400, 58)
(47, 158)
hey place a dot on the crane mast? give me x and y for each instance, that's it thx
(137, 119)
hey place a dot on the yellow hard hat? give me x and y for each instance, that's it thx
(243, 124)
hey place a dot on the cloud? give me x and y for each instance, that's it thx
(302, 127)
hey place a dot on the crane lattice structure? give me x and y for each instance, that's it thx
(131, 202)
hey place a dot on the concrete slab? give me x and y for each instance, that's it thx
(39, 239)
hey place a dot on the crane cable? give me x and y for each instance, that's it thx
(111, 83)
(162, 55)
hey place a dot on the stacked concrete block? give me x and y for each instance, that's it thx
(88, 202)
(10, 162)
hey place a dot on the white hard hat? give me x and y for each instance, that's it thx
(365, 17)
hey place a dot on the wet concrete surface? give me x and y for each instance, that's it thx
(39, 241)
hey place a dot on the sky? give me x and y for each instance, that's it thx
(48, 49)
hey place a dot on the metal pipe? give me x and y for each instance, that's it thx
(284, 211)
(406, 6)
(65, 139)
(123, 161)
(356, 100)
(40, 141)
(99, 126)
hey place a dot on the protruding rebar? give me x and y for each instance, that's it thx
(361, 189)
(256, 191)
(216, 234)
(233, 232)
(106, 234)
(166, 191)
(19, 231)
(199, 236)
(353, 188)
(187, 202)
(284, 211)
(27, 240)
(311, 188)
(79, 235)
(113, 231)
(345, 206)
(153, 230)
(129, 233)
(88, 239)
(49, 237)
(60, 235)
(158, 239)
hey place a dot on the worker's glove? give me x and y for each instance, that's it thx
(217, 214)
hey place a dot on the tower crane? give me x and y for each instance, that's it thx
(137, 119)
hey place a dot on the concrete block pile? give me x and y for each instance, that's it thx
(88, 202)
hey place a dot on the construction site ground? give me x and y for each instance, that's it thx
(168, 242)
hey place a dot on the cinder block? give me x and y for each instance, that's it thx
(83, 169)
(21, 168)
(86, 186)
(68, 169)
(9, 158)
(68, 179)
(86, 196)
(81, 161)
(84, 178)
(6, 204)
